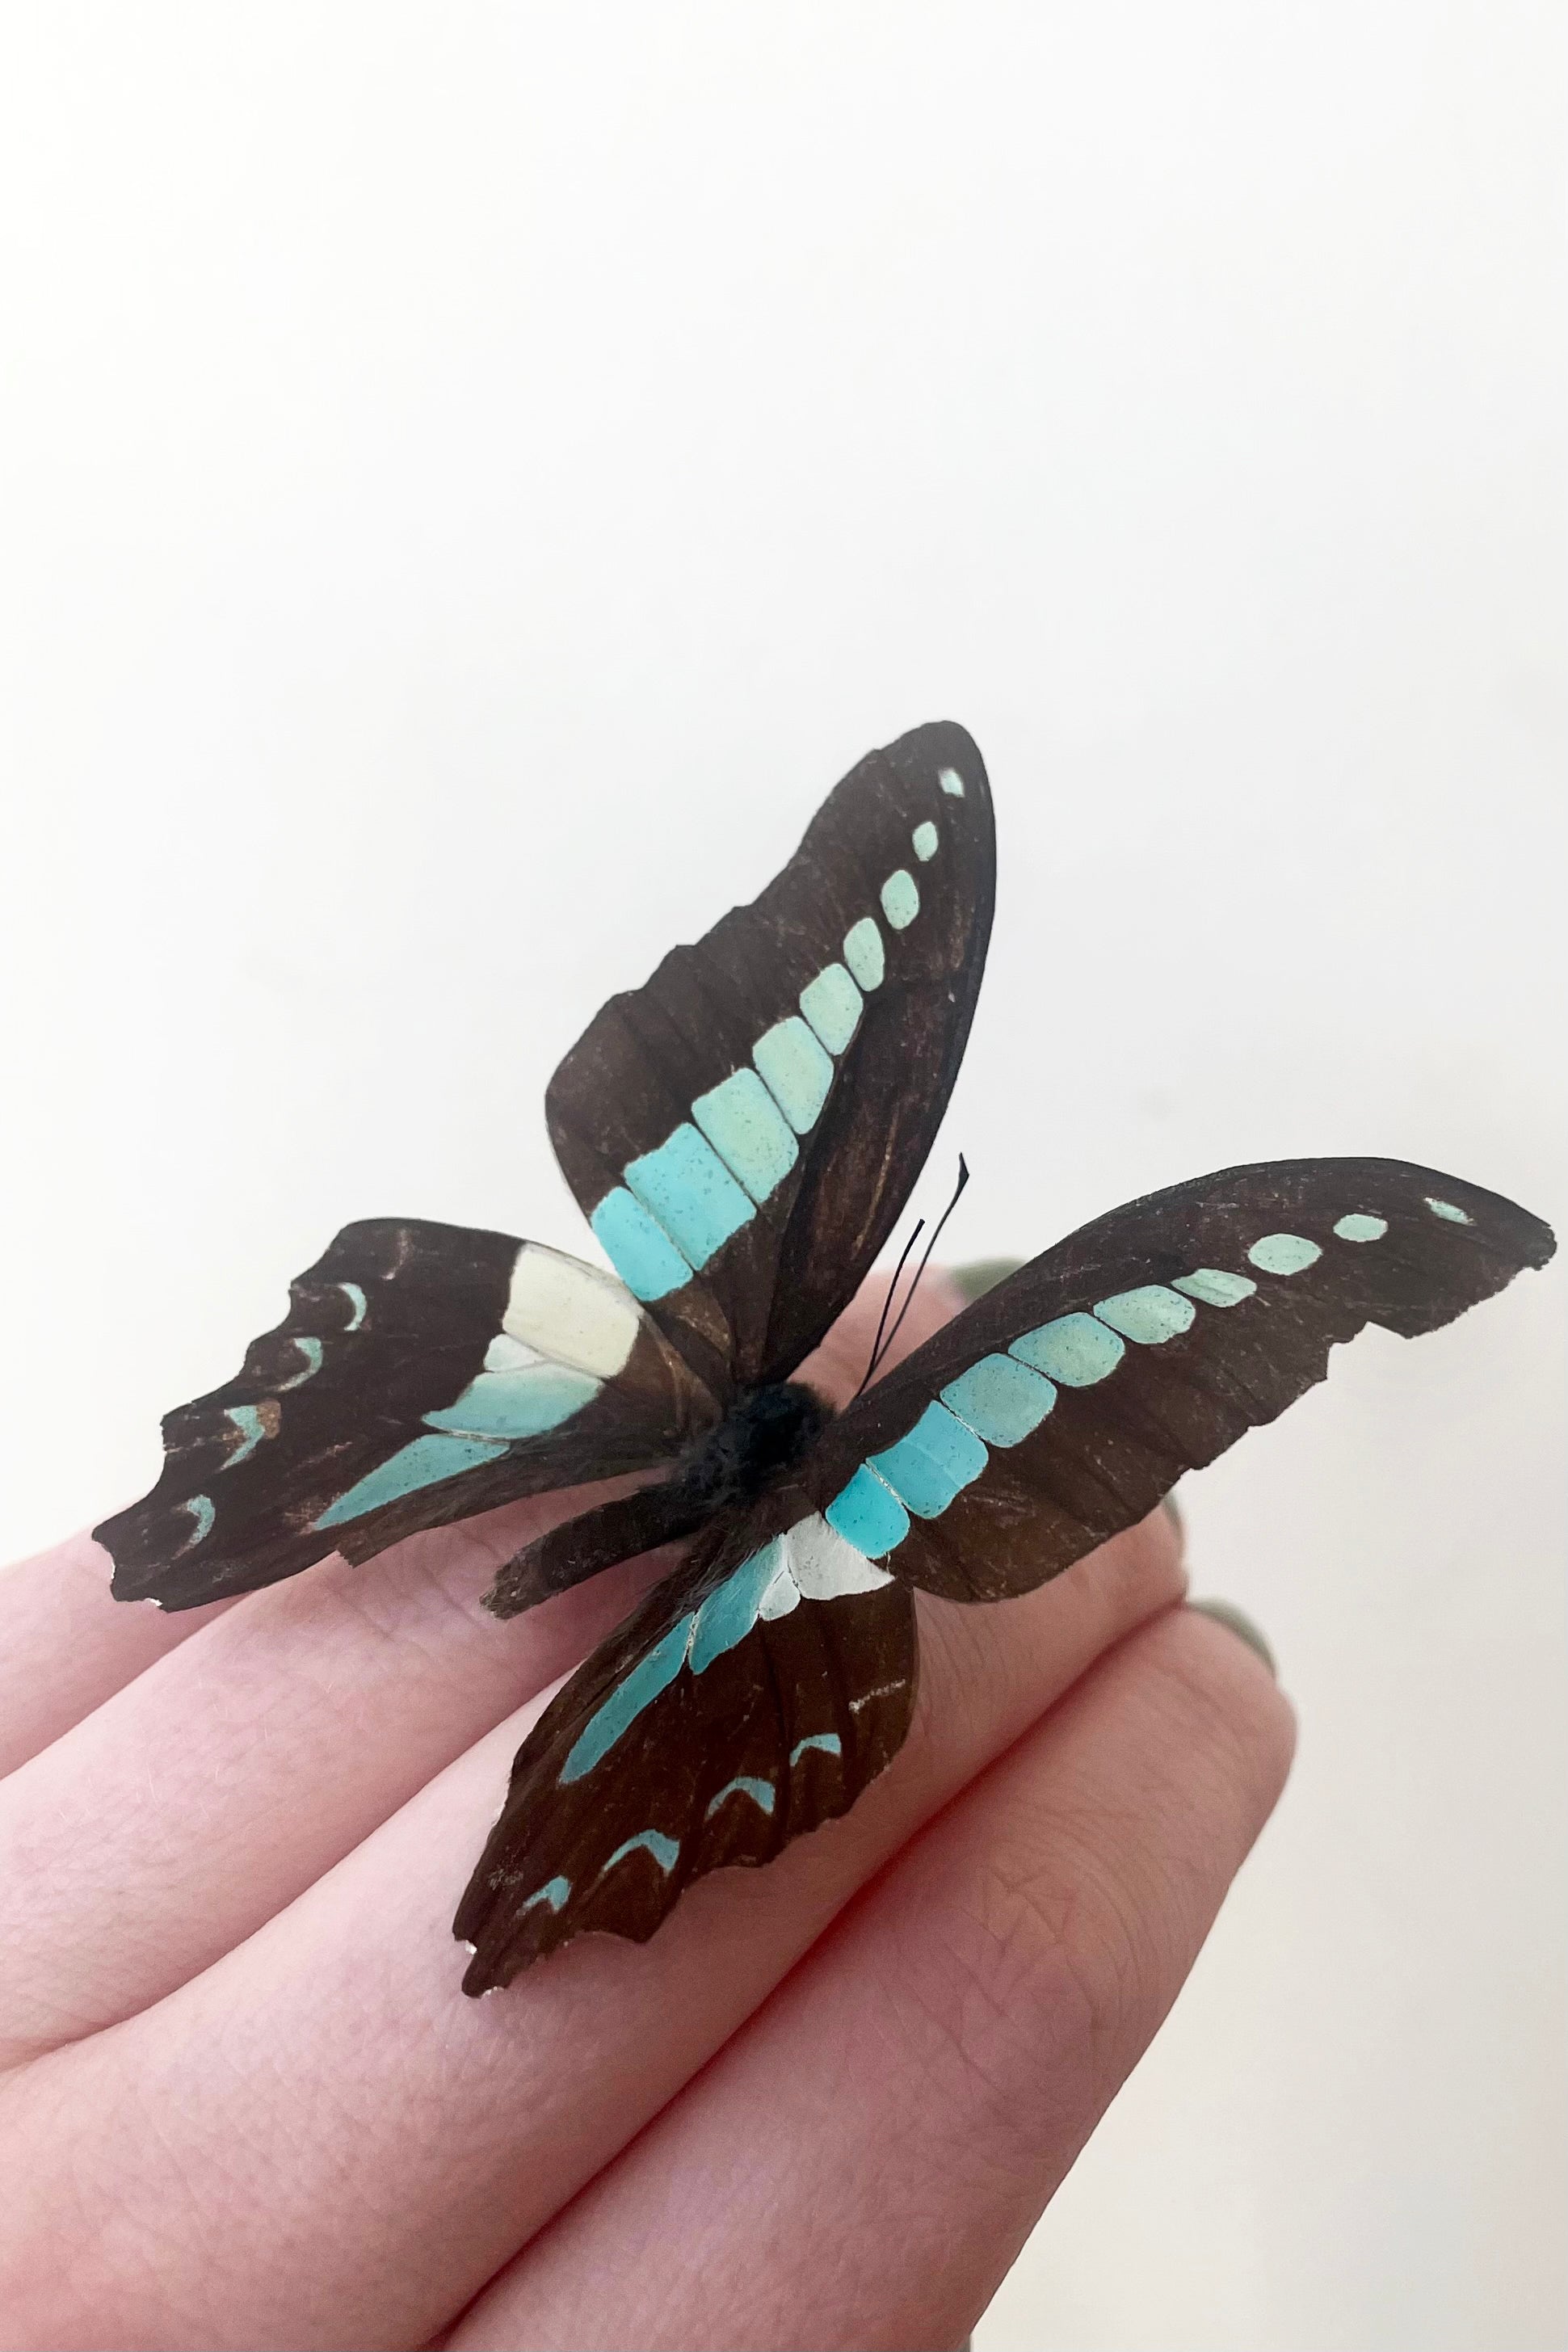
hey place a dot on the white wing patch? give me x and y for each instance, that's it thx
(572, 1313)
(823, 1566)
(808, 1562)
(567, 1329)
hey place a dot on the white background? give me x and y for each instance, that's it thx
(474, 475)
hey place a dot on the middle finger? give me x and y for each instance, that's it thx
(175, 1818)
(326, 2088)
(209, 1791)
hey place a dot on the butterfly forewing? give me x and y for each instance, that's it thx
(1061, 1407)
(1052, 1413)
(759, 1112)
(743, 1131)
(424, 1372)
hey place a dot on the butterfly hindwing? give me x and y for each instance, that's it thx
(1052, 1413)
(743, 1131)
(424, 1372)
(739, 1707)
(762, 1105)
(1061, 1407)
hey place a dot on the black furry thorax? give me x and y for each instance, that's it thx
(762, 1437)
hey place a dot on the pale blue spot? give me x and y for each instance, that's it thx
(934, 1462)
(951, 781)
(796, 1070)
(1447, 1209)
(356, 1298)
(686, 1186)
(742, 1122)
(1362, 1229)
(555, 1892)
(1000, 1399)
(247, 1420)
(1074, 1351)
(1149, 1315)
(728, 1615)
(761, 1793)
(831, 1004)
(522, 1403)
(900, 898)
(868, 1515)
(505, 1354)
(665, 1851)
(863, 953)
(1284, 1254)
(647, 1678)
(925, 838)
(425, 1462)
(204, 1511)
(828, 1741)
(311, 1351)
(644, 1257)
(1212, 1288)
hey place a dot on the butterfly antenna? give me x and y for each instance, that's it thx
(887, 1304)
(925, 1260)
(880, 1346)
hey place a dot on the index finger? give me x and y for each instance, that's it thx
(70, 1645)
(326, 2085)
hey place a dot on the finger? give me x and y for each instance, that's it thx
(838, 1367)
(861, 2165)
(211, 1790)
(203, 1797)
(326, 2087)
(68, 1645)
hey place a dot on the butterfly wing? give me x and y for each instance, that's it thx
(424, 1372)
(735, 1710)
(759, 1112)
(743, 1131)
(758, 1691)
(1064, 1404)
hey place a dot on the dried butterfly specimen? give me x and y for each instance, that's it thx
(742, 1134)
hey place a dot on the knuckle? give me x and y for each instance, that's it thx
(1010, 2007)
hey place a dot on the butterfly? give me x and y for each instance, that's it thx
(742, 1134)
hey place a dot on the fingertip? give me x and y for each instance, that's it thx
(973, 1279)
(1234, 1674)
(1226, 1613)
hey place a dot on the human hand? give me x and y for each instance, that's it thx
(246, 2104)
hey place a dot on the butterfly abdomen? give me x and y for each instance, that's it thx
(756, 1445)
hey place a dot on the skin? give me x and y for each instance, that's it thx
(243, 2102)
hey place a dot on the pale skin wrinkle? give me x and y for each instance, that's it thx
(246, 2104)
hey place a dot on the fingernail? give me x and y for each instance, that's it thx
(1226, 1613)
(981, 1274)
(1172, 1511)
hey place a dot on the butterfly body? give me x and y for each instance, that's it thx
(764, 1434)
(742, 1134)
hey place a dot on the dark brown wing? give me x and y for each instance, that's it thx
(1064, 1404)
(724, 1719)
(743, 1131)
(423, 1374)
(763, 1687)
